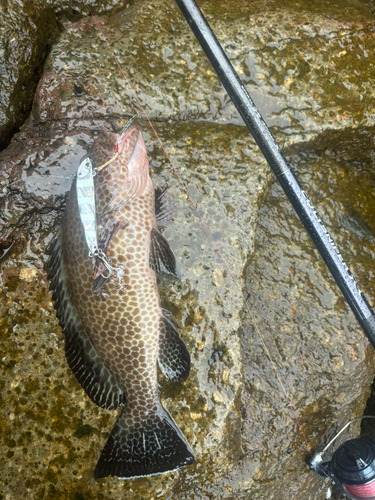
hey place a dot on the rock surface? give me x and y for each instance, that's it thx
(27, 31)
(305, 71)
(295, 63)
(206, 305)
(24, 45)
(322, 355)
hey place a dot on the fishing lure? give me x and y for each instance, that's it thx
(86, 205)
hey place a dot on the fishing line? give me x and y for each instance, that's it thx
(266, 350)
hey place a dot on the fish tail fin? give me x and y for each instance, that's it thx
(145, 447)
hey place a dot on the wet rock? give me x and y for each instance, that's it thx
(323, 359)
(73, 10)
(52, 434)
(306, 71)
(24, 44)
(205, 303)
(36, 174)
(27, 31)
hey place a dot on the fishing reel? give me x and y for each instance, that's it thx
(352, 466)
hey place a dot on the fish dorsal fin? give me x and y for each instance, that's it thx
(86, 364)
(174, 358)
(162, 258)
(165, 208)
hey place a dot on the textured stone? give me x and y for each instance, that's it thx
(27, 31)
(24, 44)
(306, 71)
(51, 432)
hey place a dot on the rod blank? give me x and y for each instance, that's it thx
(267, 144)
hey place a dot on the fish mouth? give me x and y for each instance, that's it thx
(124, 141)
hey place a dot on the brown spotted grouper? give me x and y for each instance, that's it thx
(116, 331)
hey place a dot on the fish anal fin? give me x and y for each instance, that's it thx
(165, 208)
(174, 358)
(149, 446)
(86, 364)
(162, 258)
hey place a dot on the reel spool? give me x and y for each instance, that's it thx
(352, 466)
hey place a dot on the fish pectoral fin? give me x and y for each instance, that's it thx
(162, 258)
(174, 358)
(110, 227)
(142, 447)
(84, 360)
(165, 208)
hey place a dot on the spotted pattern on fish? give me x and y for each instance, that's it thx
(117, 332)
(89, 369)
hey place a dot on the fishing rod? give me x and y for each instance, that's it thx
(283, 172)
(355, 454)
(352, 466)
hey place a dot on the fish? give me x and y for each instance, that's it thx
(108, 305)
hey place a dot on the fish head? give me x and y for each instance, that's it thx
(126, 176)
